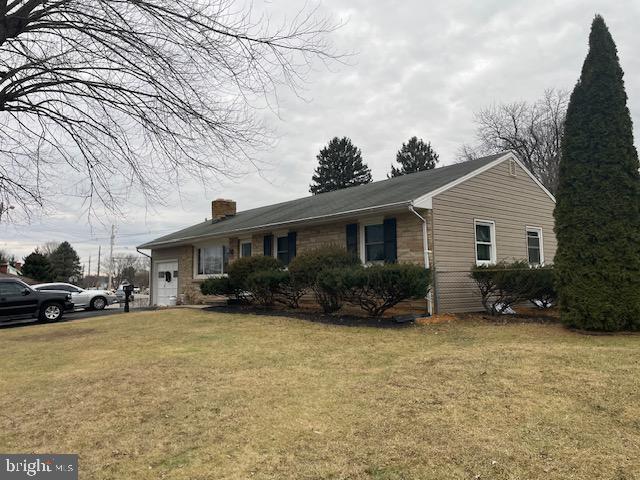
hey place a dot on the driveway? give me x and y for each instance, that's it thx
(140, 304)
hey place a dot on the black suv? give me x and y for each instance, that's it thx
(18, 300)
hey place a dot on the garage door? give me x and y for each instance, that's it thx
(166, 283)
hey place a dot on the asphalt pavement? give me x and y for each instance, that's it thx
(140, 303)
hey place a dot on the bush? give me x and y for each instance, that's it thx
(506, 284)
(331, 288)
(234, 284)
(240, 270)
(541, 288)
(265, 285)
(317, 269)
(380, 287)
(270, 286)
(217, 286)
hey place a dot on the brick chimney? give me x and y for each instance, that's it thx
(4, 268)
(221, 208)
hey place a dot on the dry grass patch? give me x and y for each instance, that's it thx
(194, 395)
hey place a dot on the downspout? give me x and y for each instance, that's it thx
(425, 248)
(150, 272)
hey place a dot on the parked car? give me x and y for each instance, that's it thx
(18, 301)
(87, 299)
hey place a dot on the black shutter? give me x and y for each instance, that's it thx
(268, 245)
(352, 238)
(291, 240)
(390, 241)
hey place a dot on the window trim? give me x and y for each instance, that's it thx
(362, 245)
(277, 236)
(493, 251)
(196, 247)
(528, 229)
(244, 241)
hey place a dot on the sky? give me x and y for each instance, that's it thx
(417, 68)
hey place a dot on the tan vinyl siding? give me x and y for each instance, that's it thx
(513, 203)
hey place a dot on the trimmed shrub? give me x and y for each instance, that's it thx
(505, 284)
(265, 285)
(317, 269)
(380, 287)
(270, 286)
(216, 286)
(331, 288)
(291, 291)
(240, 270)
(541, 288)
(234, 284)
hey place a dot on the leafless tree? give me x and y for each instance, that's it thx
(533, 130)
(125, 267)
(144, 90)
(49, 247)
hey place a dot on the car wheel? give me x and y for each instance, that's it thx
(98, 303)
(51, 312)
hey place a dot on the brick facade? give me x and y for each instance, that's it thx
(409, 249)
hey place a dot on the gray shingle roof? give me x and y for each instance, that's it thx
(391, 192)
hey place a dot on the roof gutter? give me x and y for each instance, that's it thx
(228, 233)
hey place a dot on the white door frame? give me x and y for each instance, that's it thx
(154, 276)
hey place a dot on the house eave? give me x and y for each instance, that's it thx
(377, 209)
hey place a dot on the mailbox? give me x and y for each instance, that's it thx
(128, 290)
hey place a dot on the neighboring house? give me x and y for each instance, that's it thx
(447, 219)
(9, 269)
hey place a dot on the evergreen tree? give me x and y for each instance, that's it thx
(597, 213)
(37, 266)
(65, 264)
(339, 166)
(414, 156)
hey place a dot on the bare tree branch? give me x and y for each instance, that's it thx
(533, 131)
(143, 90)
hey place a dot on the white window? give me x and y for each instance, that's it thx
(210, 260)
(245, 248)
(535, 249)
(485, 231)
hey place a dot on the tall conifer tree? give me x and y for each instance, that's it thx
(598, 200)
(340, 166)
(65, 264)
(414, 156)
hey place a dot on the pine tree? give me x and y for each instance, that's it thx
(597, 212)
(37, 266)
(414, 156)
(65, 264)
(339, 166)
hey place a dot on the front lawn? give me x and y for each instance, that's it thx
(194, 395)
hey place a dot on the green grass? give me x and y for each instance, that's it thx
(182, 394)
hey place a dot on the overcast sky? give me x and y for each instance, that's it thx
(421, 68)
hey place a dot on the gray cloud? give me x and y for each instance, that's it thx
(422, 68)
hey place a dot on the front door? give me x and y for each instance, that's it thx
(166, 282)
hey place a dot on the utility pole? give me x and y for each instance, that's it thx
(89, 269)
(98, 274)
(113, 239)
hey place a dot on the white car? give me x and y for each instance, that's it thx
(81, 298)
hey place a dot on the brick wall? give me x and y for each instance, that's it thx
(410, 250)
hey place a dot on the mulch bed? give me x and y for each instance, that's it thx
(311, 316)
